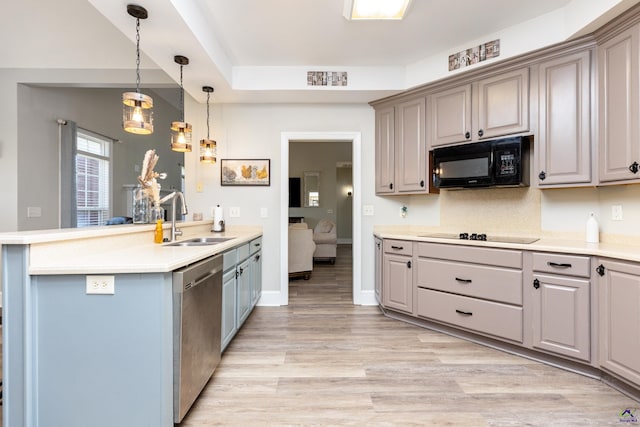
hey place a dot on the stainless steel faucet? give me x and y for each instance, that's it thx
(183, 211)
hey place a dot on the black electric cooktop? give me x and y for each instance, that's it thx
(482, 237)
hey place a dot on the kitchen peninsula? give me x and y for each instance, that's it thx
(74, 358)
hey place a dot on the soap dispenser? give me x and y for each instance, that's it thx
(158, 235)
(593, 233)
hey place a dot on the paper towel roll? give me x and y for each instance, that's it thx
(218, 218)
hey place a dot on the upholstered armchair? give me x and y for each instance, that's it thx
(325, 236)
(301, 249)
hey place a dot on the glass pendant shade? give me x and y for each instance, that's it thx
(181, 137)
(137, 108)
(137, 113)
(208, 151)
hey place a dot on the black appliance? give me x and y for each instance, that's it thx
(495, 163)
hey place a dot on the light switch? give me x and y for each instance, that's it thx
(264, 213)
(234, 212)
(34, 212)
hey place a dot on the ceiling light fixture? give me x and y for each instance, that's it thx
(137, 111)
(375, 9)
(208, 146)
(181, 130)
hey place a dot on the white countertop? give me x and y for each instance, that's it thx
(120, 249)
(622, 251)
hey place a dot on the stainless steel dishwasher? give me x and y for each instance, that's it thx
(197, 308)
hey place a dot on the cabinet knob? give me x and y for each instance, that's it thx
(408, 264)
(542, 175)
(422, 183)
(536, 283)
(600, 270)
(634, 167)
(467, 135)
(480, 133)
(391, 186)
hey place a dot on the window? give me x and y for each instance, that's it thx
(93, 179)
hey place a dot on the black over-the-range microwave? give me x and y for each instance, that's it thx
(495, 163)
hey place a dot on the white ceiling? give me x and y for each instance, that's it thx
(259, 50)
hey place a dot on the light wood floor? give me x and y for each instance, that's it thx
(323, 361)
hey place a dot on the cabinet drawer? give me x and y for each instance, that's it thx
(255, 245)
(567, 265)
(489, 256)
(491, 318)
(400, 247)
(243, 252)
(229, 259)
(492, 283)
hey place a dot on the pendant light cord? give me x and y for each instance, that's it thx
(208, 96)
(181, 96)
(138, 55)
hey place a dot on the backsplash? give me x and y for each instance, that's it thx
(492, 210)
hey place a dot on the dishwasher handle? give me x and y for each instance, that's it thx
(192, 275)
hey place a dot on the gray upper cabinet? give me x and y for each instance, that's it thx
(410, 145)
(619, 142)
(493, 106)
(501, 104)
(385, 157)
(450, 116)
(564, 120)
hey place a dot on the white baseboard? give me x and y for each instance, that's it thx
(271, 299)
(366, 298)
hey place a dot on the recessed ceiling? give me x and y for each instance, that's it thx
(260, 50)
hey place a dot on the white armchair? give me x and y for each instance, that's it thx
(301, 248)
(325, 236)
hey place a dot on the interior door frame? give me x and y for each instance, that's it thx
(356, 156)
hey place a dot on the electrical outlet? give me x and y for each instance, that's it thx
(234, 212)
(34, 212)
(367, 210)
(101, 285)
(616, 212)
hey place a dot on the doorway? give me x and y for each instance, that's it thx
(355, 139)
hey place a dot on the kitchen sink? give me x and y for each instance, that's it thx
(200, 241)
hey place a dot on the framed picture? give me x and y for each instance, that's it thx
(245, 172)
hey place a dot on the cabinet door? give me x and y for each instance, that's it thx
(619, 317)
(398, 282)
(502, 104)
(385, 158)
(229, 299)
(378, 270)
(449, 116)
(564, 137)
(256, 278)
(561, 315)
(244, 291)
(618, 91)
(410, 145)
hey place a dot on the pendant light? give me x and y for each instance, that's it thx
(137, 110)
(207, 146)
(181, 130)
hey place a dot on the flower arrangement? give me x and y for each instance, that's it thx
(148, 177)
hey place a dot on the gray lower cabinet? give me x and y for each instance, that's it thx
(561, 307)
(619, 318)
(479, 289)
(397, 292)
(241, 286)
(378, 269)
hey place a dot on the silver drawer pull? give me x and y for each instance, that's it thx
(463, 280)
(555, 264)
(466, 313)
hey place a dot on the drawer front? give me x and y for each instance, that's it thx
(493, 283)
(229, 259)
(255, 245)
(243, 252)
(489, 256)
(491, 318)
(400, 247)
(567, 265)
